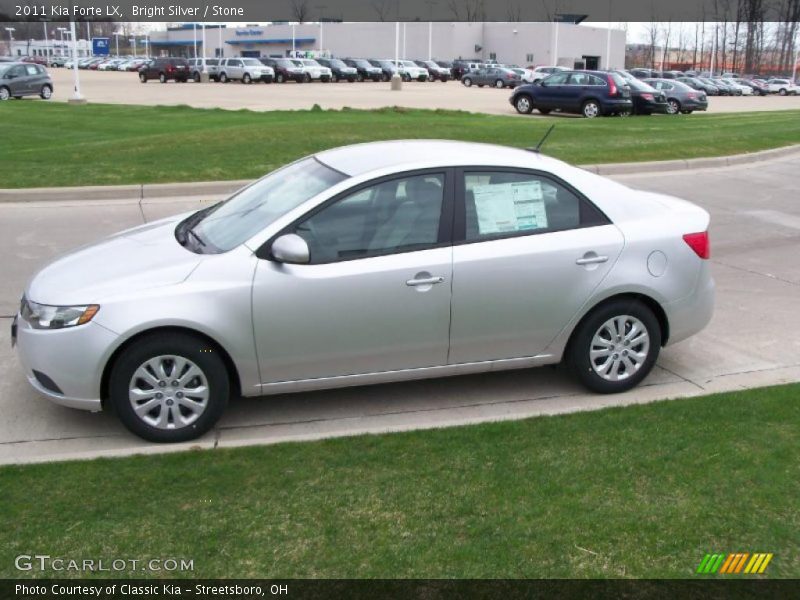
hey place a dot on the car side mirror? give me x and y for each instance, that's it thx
(291, 248)
(542, 83)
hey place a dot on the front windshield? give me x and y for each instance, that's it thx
(337, 63)
(364, 64)
(407, 63)
(4, 68)
(242, 216)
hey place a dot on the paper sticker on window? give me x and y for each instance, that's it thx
(509, 207)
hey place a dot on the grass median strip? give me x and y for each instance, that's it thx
(641, 491)
(54, 144)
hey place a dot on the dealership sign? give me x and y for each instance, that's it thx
(100, 46)
(249, 31)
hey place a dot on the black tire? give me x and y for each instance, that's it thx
(178, 344)
(196, 77)
(524, 104)
(674, 106)
(467, 82)
(591, 109)
(46, 92)
(577, 355)
(247, 79)
(143, 77)
(334, 78)
(360, 77)
(162, 78)
(223, 77)
(782, 92)
(307, 78)
(499, 84)
(5, 93)
(280, 78)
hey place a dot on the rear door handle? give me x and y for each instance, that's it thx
(424, 281)
(591, 260)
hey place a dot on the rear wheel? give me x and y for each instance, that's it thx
(247, 79)
(279, 78)
(46, 92)
(615, 346)
(360, 77)
(499, 84)
(223, 77)
(142, 77)
(162, 78)
(590, 109)
(169, 387)
(467, 81)
(673, 106)
(523, 104)
(782, 91)
(4, 93)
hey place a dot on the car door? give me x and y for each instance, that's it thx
(17, 80)
(528, 252)
(375, 294)
(552, 91)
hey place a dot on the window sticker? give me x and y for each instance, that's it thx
(509, 207)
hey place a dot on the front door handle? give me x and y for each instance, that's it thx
(424, 281)
(591, 260)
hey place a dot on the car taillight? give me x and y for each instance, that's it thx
(700, 243)
(648, 97)
(509, 76)
(692, 95)
(612, 87)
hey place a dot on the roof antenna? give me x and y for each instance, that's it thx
(541, 142)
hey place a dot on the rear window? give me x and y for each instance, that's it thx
(618, 80)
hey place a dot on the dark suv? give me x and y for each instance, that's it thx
(165, 69)
(589, 93)
(340, 71)
(285, 70)
(364, 69)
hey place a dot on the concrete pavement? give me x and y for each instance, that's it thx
(753, 339)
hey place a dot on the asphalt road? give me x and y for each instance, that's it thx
(753, 339)
(124, 88)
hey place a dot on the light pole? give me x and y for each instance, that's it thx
(204, 75)
(10, 31)
(116, 38)
(133, 41)
(555, 42)
(404, 40)
(430, 4)
(714, 51)
(219, 31)
(321, 7)
(293, 38)
(194, 31)
(46, 45)
(146, 45)
(77, 98)
(61, 30)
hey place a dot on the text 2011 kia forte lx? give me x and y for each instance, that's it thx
(364, 264)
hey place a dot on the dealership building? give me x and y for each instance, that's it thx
(539, 43)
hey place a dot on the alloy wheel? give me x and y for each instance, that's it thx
(4, 94)
(619, 348)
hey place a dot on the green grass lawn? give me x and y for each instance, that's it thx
(642, 491)
(55, 144)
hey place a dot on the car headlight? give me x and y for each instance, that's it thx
(44, 316)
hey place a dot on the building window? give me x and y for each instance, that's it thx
(218, 52)
(492, 55)
(529, 58)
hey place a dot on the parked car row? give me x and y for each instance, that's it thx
(598, 93)
(726, 84)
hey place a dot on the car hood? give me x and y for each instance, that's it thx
(144, 257)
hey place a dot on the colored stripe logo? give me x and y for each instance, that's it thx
(734, 564)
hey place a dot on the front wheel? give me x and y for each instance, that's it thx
(142, 77)
(615, 347)
(499, 84)
(169, 387)
(467, 82)
(46, 93)
(782, 92)
(4, 93)
(523, 104)
(247, 79)
(590, 109)
(223, 78)
(307, 78)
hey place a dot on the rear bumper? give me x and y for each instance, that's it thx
(691, 314)
(615, 105)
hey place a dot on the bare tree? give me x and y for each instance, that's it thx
(382, 8)
(300, 10)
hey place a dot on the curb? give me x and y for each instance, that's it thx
(144, 192)
(691, 163)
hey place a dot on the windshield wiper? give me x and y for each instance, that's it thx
(192, 233)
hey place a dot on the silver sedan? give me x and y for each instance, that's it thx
(365, 264)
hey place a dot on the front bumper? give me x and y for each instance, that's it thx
(267, 78)
(72, 358)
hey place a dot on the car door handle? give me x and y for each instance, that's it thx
(591, 260)
(424, 281)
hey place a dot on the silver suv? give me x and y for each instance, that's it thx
(245, 70)
(212, 67)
